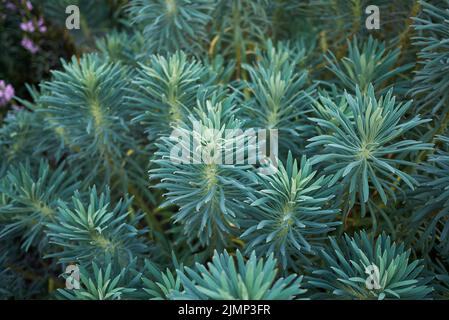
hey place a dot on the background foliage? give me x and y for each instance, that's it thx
(85, 171)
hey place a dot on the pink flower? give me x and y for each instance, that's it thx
(6, 93)
(27, 26)
(41, 25)
(28, 44)
(29, 5)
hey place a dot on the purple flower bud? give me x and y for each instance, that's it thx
(28, 44)
(27, 26)
(29, 5)
(6, 93)
(41, 25)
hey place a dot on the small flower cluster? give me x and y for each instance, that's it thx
(6, 93)
(28, 44)
(30, 24)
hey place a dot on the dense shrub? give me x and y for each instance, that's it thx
(97, 175)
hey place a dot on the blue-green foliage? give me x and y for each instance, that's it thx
(165, 90)
(431, 81)
(433, 212)
(91, 91)
(159, 285)
(365, 65)
(84, 106)
(29, 201)
(102, 283)
(95, 17)
(346, 268)
(359, 149)
(23, 136)
(290, 215)
(121, 47)
(210, 196)
(233, 278)
(96, 230)
(173, 24)
(282, 94)
(125, 163)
